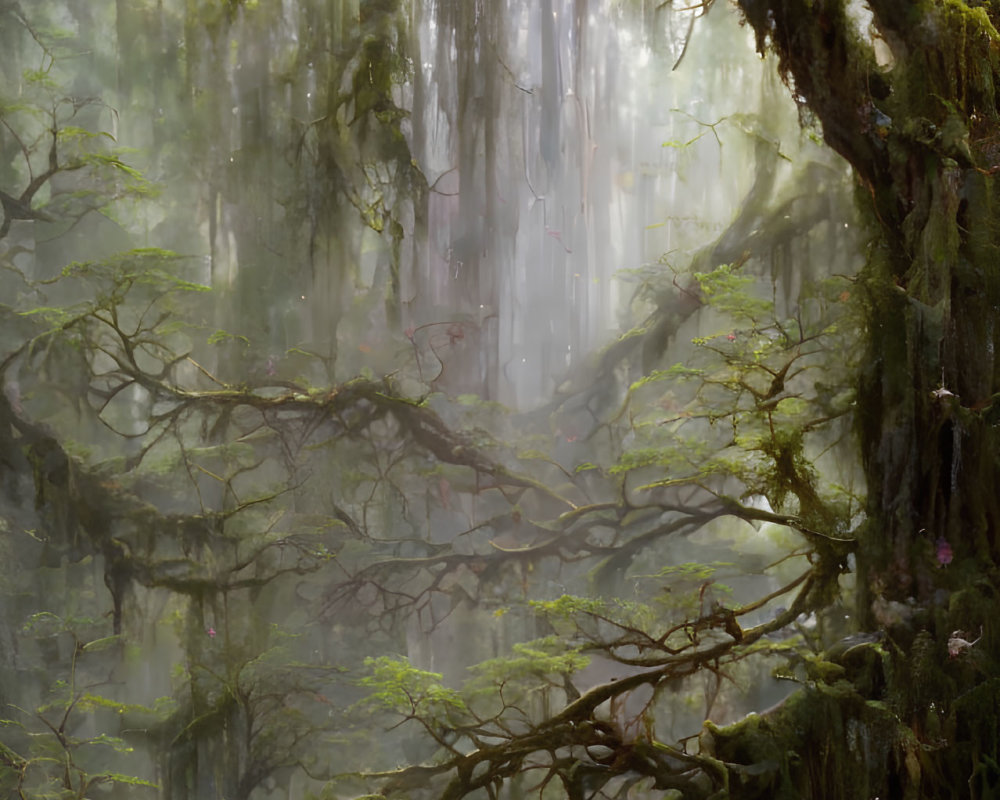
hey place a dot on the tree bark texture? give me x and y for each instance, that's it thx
(910, 102)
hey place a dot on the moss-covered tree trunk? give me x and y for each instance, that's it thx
(910, 102)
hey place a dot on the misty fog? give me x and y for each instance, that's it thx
(338, 336)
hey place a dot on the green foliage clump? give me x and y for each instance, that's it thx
(399, 687)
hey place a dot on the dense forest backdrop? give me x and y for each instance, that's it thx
(557, 398)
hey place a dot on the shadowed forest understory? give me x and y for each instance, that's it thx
(556, 398)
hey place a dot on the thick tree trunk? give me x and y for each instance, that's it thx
(921, 132)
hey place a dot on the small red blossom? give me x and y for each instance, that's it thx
(211, 632)
(731, 337)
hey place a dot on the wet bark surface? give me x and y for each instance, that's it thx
(917, 124)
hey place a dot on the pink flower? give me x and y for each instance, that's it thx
(211, 632)
(731, 337)
(944, 553)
